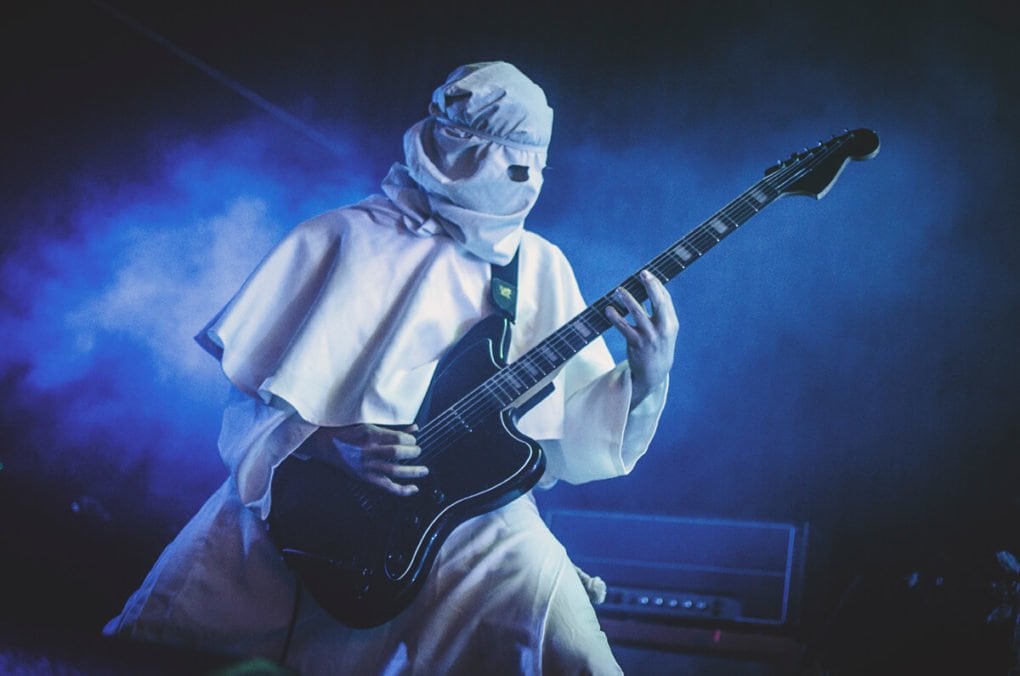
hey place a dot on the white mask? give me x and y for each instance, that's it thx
(478, 158)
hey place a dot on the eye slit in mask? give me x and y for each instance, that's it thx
(518, 173)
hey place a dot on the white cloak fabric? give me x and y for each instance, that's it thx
(478, 158)
(342, 323)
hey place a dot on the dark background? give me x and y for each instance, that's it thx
(850, 363)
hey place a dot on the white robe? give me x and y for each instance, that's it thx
(344, 322)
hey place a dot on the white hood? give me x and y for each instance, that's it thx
(477, 159)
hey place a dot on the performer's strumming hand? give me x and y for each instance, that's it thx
(651, 339)
(373, 454)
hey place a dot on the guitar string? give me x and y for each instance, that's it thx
(484, 392)
(438, 435)
(478, 403)
(491, 396)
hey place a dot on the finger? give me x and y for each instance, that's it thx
(658, 295)
(622, 325)
(391, 486)
(385, 436)
(642, 323)
(396, 471)
(388, 452)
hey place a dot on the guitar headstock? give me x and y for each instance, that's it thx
(813, 171)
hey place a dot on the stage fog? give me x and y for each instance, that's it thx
(849, 363)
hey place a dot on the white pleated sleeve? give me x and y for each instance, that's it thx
(586, 426)
(601, 438)
(254, 439)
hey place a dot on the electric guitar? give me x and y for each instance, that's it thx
(364, 553)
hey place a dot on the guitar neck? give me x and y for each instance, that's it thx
(512, 382)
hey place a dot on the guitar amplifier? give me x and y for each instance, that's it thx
(661, 568)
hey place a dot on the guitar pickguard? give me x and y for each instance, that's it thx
(367, 552)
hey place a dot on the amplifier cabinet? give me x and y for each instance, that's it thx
(666, 567)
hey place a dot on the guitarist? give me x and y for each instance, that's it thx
(330, 346)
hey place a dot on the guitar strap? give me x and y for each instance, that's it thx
(504, 287)
(504, 295)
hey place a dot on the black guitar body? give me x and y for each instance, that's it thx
(364, 553)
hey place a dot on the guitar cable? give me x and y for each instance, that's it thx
(293, 622)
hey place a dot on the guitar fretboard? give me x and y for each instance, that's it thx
(513, 381)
